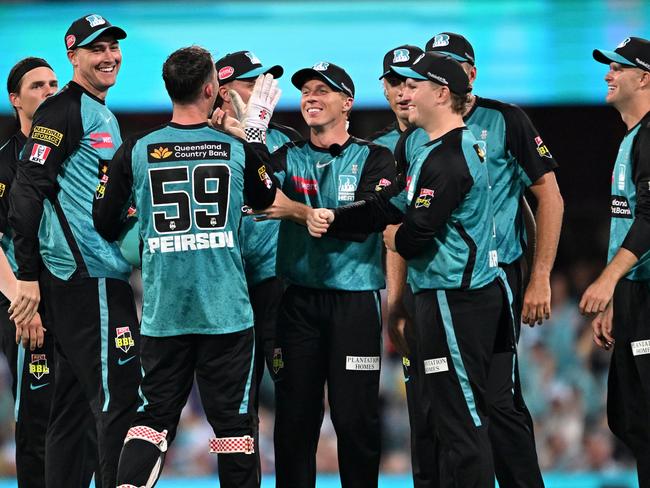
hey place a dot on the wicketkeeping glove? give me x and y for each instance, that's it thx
(255, 116)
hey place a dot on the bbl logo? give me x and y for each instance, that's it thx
(123, 339)
(278, 362)
(38, 366)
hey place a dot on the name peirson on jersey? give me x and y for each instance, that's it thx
(621, 207)
(187, 151)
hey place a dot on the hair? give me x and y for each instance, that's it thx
(459, 103)
(186, 71)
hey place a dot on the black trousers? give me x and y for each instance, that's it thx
(628, 389)
(265, 300)
(457, 333)
(32, 375)
(333, 337)
(97, 337)
(223, 365)
(511, 426)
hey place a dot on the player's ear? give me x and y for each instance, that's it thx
(645, 79)
(13, 99)
(223, 93)
(347, 103)
(72, 57)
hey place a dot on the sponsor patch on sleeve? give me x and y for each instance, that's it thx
(188, 151)
(424, 199)
(46, 134)
(39, 154)
(383, 183)
(542, 150)
(264, 176)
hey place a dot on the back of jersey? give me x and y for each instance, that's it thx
(188, 183)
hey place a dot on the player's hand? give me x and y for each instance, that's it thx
(257, 115)
(602, 326)
(25, 303)
(398, 318)
(596, 298)
(32, 334)
(221, 120)
(389, 236)
(318, 221)
(537, 302)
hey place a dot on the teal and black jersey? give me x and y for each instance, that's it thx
(331, 177)
(188, 183)
(447, 234)
(388, 136)
(259, 240)
(73, 137)
(9, 155)
(516, 158)
(630, 221)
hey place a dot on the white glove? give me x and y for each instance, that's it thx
(256, 115)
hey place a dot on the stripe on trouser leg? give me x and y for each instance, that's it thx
(511, 299)
(144, 400)
(377, 296)
(103, 324)
(243, 408)
(20, 364)
(456, 357)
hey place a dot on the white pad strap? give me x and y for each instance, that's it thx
(231, 445)
(129, 486)
(144, 433)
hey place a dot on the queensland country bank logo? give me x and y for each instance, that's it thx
(160, 153)
(38, 366)
(123, 339)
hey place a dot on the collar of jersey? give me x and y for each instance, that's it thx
(77, 86)
(445, 135)
(326, 150)
(187, 126)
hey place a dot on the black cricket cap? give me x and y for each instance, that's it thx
(633, 51)
(243, 65)
(438, 68)
(400, 56)
(453, 45)
(86, 29)
(334, 76)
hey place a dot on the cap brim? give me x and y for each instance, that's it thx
(391, 71)
(277, 71)
(607, 57)
(301, 76)
(117, 32)
(409, 73)
(460, 59)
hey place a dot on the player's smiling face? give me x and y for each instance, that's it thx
(321, 106)
(419, 98)
(622, 82)
(96, 65)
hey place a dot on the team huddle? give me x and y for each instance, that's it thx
(258, 247)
